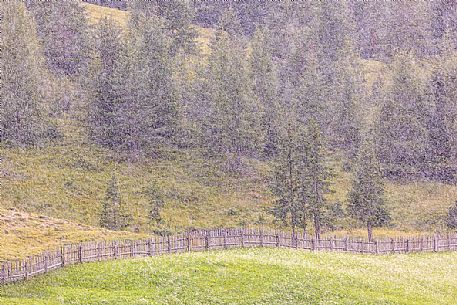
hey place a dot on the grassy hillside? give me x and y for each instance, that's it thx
(69, 182)
(248, 276)
(23, 234)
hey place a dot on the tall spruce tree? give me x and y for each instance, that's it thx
(347, 96)
(316, 175)
(156, 203)
(232, 123)
(438, 127)
(147, 108)
(452, 216)
(366, 198)
(112, 215)
(403, 134)
(265, 89)
(177, 19)
(23, 88)
(290, 206)
(63, 31)
(104, 77)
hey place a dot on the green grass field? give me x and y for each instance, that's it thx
(248, 276)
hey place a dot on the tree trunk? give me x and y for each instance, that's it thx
(317, 226)
(304, 224)
(370, 231)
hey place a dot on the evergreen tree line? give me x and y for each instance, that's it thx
(293, 93)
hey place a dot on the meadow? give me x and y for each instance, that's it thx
(248, 276)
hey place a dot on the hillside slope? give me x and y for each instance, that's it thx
(23, 234)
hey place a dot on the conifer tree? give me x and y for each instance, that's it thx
(112, 215)
(232, 121)
(265, 88)
(439, 148)
(156, 203)
(316, 175)
(403, 135)
(23, 88)
(346, 95)
(104, 78)
(366, 198)
(177, 17)
(452, 216)
(63, 31)
(289, 206)
(147, 108)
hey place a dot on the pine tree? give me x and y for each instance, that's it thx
(316, 175)
(403, 135)
(147, 108)
(63, 31)
(347, 95)
(439, 148)
(304, 79)
(232, 123)
(289, 206)
(103, 80)
(445, 99)
(366, 198)
(452, 216)
(112, 215)
(265, 88)
(23, 91)
(177, 17)
(156, 203)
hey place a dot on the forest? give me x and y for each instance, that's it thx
(228, 152)
(284, 98)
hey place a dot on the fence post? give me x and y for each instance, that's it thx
(206, 241)
(346, 246)
(62, 256)
(189, 246)
(116, 250)
(80, 253)
(277, 240)
(45, 263)
(435, 243)
(98, 252)
(407, 245)
(331, 244)
(261, 237)
(313, 246)
(376, 247)
(3, 274)
(168, 244)
(150, 251)
(25, 269)
(225, 239)
(242, 238)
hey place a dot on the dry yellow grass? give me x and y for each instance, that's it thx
(23, 234)
(95, 13)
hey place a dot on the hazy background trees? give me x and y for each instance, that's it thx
(282, 83)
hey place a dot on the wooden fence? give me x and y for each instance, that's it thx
(201, 240)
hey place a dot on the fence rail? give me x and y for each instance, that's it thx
(201, 240)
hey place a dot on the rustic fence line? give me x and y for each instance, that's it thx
(201, 240)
